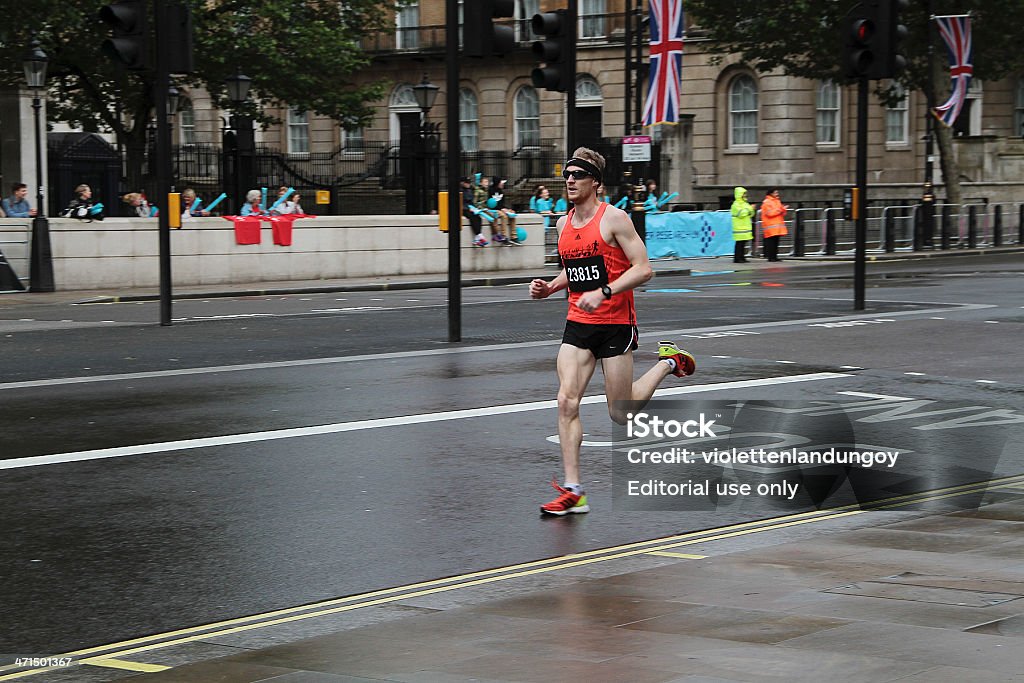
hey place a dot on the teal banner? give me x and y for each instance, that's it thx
(690, 234)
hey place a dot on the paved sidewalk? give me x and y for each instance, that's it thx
(865, 596)
(663, 267)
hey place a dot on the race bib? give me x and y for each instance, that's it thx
(585, 274)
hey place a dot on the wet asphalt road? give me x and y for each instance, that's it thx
(136, 528)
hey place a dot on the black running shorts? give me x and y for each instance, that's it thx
(604, 341)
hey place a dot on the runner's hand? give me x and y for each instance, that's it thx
(539, 289)
(590, 301)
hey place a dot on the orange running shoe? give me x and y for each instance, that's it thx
(566, 502)
(685, 363)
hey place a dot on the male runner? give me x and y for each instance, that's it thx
(603, 261)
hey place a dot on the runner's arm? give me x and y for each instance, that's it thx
(633, 247)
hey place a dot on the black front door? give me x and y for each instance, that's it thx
(588, 126)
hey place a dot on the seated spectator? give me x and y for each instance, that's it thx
(252, 204)
(82, 205)
(190, 206)
(17, 206)
(139, 207)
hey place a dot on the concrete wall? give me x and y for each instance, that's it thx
(124, 252)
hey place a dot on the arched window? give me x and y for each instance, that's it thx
(527, 118)
(827, 128)
(896, 118)
(742, 112)
(186, 122)
(469, 120)
(298, 131)
(1018, 114)
(588, 92)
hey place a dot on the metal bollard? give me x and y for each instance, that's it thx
(890, 232)
(972, 227)
(997, 226)
(947, 212)
(798, 235)
(1020, 225)
(830, 232)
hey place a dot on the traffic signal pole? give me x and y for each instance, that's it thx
(861, 223)
(454, 188)
(570, 93)
(164, 166)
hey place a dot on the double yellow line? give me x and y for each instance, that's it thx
(111, 655)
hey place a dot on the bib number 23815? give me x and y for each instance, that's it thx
(585, 274)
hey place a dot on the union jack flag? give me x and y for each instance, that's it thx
(666, 53)
(956, 31)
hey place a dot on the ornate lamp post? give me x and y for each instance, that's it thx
(239, 142)
(41, 263)
(425, 94)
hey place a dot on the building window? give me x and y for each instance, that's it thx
(352, 140)
(588, 92)
(896, 118)
(828, 114)
(407, 24)
(1018, 114)
(527, 121)
(743, 112)
(469, 121)
(298, 131)
(592, 18)
(186, 122)
(525, 9)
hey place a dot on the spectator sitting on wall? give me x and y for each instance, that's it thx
(252, 204)
(16, 206)
(188, 201)
(82, 205)
(140, 208)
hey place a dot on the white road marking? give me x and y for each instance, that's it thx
(850, 367)
(986, 381)
(885, 397)
(915, 374)
(361, 425)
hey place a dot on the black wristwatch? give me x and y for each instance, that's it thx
(607, 291)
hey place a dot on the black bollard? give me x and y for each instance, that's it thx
(972, 227)
(830, 233)
(947, 212)
(798, 235)
(997, 226)
(890, 232)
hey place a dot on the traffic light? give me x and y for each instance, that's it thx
(177, 27)
(480, 36)
(891, 34)
(555, 50)
(872, 33)
(129, 43)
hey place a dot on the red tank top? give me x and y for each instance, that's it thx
(590, 263)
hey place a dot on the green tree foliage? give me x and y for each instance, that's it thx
(302, 52)
(802, 38)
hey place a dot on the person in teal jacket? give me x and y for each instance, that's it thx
(742, 229)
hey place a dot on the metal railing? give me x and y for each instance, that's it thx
(600, 28)
(824, 231)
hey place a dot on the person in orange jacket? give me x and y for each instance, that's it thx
(773, 223)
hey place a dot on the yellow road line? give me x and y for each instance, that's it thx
(685, 556)
(111, 663)
(516, 571)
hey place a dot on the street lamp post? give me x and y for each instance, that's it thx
(240, 143)
(425, 94)
(41, 260)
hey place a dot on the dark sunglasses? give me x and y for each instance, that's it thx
(578, 175)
